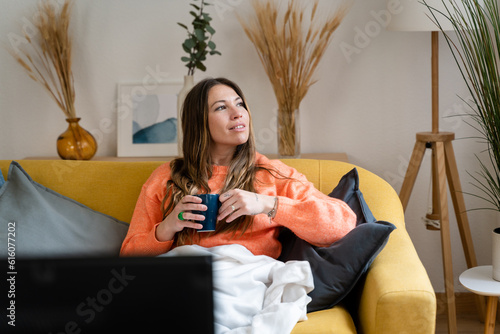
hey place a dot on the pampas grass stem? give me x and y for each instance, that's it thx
(47, 56)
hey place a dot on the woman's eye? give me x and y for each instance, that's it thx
(220, 108)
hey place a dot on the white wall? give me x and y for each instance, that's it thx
(372, 95)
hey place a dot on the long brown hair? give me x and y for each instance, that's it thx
(190, 173)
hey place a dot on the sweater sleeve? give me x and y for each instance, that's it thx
(141, 237)
(310, 214)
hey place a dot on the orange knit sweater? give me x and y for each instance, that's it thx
(310, 214)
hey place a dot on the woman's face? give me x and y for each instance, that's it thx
(228, 120)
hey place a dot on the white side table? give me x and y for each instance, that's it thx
(480, 281)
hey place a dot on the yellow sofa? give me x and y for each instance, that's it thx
(396, 295)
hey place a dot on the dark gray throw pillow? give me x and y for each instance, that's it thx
(337, 268)
(43, 223)
(348, 191)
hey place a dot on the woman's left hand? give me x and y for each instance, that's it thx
(237, 203)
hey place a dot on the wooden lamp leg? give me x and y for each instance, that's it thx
(440, 173)
(462, 220)
(459, 205)
(411, 173)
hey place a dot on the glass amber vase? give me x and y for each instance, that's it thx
(76, 143)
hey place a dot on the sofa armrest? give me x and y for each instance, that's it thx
(397, 295)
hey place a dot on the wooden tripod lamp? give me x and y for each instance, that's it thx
(412, 15)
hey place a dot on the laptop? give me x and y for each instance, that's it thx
(108, 295)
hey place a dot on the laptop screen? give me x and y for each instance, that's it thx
(109, 295)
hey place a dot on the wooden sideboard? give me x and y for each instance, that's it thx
(321, 156)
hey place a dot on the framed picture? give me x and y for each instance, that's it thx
(147, 119)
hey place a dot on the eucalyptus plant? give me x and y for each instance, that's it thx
(477, 52)
(199, 41)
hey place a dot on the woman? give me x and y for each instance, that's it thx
(258, 196)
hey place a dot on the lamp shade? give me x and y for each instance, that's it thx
(413, 15)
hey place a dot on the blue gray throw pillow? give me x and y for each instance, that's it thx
(337, 268)
(47, 224)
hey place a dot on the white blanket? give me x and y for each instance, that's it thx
(255, 294)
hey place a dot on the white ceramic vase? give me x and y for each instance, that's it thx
(495, 247)
(181, 96)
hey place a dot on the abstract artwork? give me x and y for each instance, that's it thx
(155, 120)
(147, 119)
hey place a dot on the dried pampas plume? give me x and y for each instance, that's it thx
(290, 46)
(46, 56)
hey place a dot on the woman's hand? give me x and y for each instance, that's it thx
(167, 229)
(237, 203)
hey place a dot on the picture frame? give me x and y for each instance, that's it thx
(147, 119)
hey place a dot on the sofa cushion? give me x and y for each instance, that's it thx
(48, 224)
(337, 268)
(335, 320)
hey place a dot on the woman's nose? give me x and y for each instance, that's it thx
(236, 113)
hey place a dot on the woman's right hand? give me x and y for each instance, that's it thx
(167, 229)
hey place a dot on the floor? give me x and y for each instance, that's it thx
(467, 314)
(466, 324)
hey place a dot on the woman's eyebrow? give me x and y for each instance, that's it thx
(217, 102)
(236, 99)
